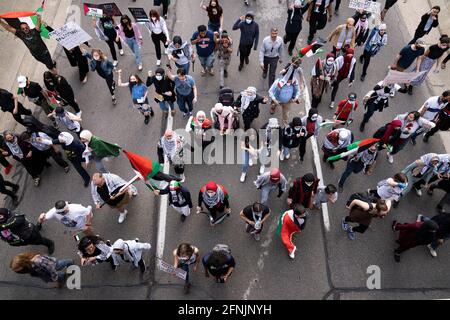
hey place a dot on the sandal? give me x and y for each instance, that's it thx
(37, 181)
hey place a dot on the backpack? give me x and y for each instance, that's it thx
(360, 196)
(222, 248)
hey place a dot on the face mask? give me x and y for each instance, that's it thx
(297, 128)
(154, 18)
(309, 184)
(248, 21)
(133, 82)
(314, 117)
(211, 194)
(159, 78)
(201, 120)
(330, 62)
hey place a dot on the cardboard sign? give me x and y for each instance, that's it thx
(111, 9)
(139, 15)
(395, 76)
(168, 268)
(70, 35)
(366, 5)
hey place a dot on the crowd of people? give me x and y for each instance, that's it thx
(64, 134)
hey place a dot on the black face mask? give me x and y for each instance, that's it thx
(133, 83)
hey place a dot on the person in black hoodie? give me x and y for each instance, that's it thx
(290, 137)
(293, 24)
(179, 198)
(248, 105)
(165, 90)
(303, 191)
(428, 21)
(59, 84)
(16, 230)
(249, 36)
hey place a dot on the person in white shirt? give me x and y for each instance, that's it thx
(129, 251)
(270, 54)
(158, 32)
(74, 216)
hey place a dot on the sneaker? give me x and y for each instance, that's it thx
(158, 62)
(165, 17)
(7, 170)
(413, 142)
(147, 119)
(114, 100)
(140, 67)
(136, 239)
(440, 209)
(250, 162)
(240, 66)
(211, 72)
(419, 218)
(362, 78)
(257, 236)
(243, 176)
(425, 138)
(115, 63)
(362, 126)
(292, 254)
(221, 87)
(432, 251)
(122, 216)
(203, 73)
(336, 12)
(142, 266)
(182, 177)
(78, 114)
(390, 158)
(394, 223)
(418, 192)
(248, 228)
(344, 224)
(392, 94)
(331, 105)
(350, 234)
(246, 60)
(186, 288)
(281, 155)
(262, 168)
(121, 52)
(340, 188)
(182, 218)
(395, 203)
(108, 243)
(51, 247)
(37, 182)
(246, 2)
(410, 90)
(397, 257)
(288, 155)
(84, 80)
(185, 114)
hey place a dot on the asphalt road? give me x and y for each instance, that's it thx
(327, 264)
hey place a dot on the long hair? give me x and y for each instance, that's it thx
(127, 18)
(139, 80)
(100, 53)
(22, 262)
(185, 249)
(154, 13)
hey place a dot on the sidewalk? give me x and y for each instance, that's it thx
(410, 12)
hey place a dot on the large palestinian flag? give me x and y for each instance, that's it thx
(354, 148)
(144, 167)
(14, 19)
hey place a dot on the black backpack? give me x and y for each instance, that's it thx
(360, 196)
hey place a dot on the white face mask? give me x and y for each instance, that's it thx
(158, 78)
(248, 21)
(154, 18)
(211, 194)
(330, 62)
(314, 117)
(309, 184)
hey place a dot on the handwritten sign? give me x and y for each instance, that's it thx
(168, 268)
(70, 35)
(139, 15)
(395, 76)
(366, 5)
(112, 9)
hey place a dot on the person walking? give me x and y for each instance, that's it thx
(35, 93)
(390, 189)
(325, 194)
(290, 137)
(216, 199)
(130, 33)
(170, 147)
(361, 28)
(186, 91)
(106, 30)
(159, 33)
(93, 250)
(269, 181)
(310, 127)
(10, 103)
(346, 70)
(164, 90)
(361, 211)
(283, 93)
(318, 11)
(249, 37)
(179, 198)
(442, 121)
(199, 125)
(345, 111)
(108, 188)
(336, 142)
(184, 256)
(204, 41)
(130, 251)
(74, 216)
(215, 15)
(139, 92)
(323, 74)
(31, 38)
(224, 118)
(219, 263)
(375, 41)
(248, 104)
(70, 120)
(343, 37)
(47, 268)
(303, 191)
(99, 62)
(16, 230)
(63, 89)
(428, 21)
(250, 153)
(363, 161)
(224, 45)
(181, 53)
(270, 54)
(293, 24)
(254, 216)
(290, 223)
(98, 149)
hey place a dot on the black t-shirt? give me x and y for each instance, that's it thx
(223, 269)
(6, 101)
(33, 41)
(34, 91)
(248, 212)
(129, 33)
(104, 194)
(436, 52)
(214, 14)
(108, 28)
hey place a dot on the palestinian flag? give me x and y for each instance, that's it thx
(328, 124)
(143, 166)
(14, 19)
(312, 49)
(103, 148)
(354, 148)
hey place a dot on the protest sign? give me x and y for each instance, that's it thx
(70, 35)
(366, 5)
(111, 9)
(139, 15)
(395, 76)
(168, 268)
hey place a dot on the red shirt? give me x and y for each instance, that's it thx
(345, 109)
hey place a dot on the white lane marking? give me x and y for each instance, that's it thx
(161, 238)
(317, 163)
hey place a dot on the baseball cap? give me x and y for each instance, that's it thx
(22, 81)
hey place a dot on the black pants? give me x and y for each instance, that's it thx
(417, 35)
(270, 66)
(335, 86)
(244, 52)
(315, 101)
(21, 110)
(4, 184)
(360, 228)
(110, 83)
(338, 4)
(157, 39)
(78, 165)
(443, 124)
(71, 102)
(165, 4)
(37, 239)
(45, 58)
(57, 156)
(366, 60)
(4, 162)
(292, 39)
(302, 147)
(317, 21)
(112, 48)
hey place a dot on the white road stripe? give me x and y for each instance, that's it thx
(161, 238)
(317, 163)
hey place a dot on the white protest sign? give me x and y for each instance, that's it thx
(168, 268)
(395, 76)
(95, 12)
(70, 35)
(366, 5)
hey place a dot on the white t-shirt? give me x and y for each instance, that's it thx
(432, 107)
(75, 219)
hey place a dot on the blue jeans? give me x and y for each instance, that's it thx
(134, 46)
(62, 264)
(246, 164)
(185, 67)
(285, 151)
(207, 62)
(183, 100)
(99, 164)
(185, 267)
(352, 167)
(371, 108)
(213, 26)
(163, 105)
